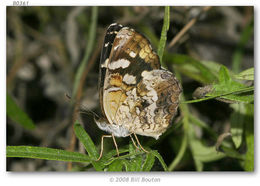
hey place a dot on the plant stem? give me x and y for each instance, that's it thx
(163, 39)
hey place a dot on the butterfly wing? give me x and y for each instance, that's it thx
(105, 53)
(137, 96)
(130, 55)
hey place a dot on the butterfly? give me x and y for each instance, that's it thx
(137, 95)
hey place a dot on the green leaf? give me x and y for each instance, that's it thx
(204, 153)
(200, 152)
(135, 163)
(192, 68)
(247, 74)
(86, 140)
(89, 48)
(15, 113)
(203, 125)
(224, 75)
(159, 157)
(249, 134)
(116, 166)
(132, 149)
(136, 160)
(45, 153)
(163, 39)
(88, 144)
(180, 154)
(237, 121)
(108, 158)
(127, 164)
(227, 90)
(198, 164)
(212, 66)
(148, 164)
(230, 152)
(249, 99)
(241, 93)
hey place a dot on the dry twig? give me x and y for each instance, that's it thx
(187, 27)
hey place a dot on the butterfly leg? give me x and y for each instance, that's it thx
(134, 142)
(102, 145)
(140, 144)
(114, 139)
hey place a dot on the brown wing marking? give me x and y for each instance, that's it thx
(134, 47)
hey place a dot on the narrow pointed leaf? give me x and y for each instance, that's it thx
(86, 140)
(148, 164)
(159, 157)
(237, 121)
(249, 133)
(45, 153)
(247, 74)
(16, 114)
(115, 166)
(163, 39)
(88, 144)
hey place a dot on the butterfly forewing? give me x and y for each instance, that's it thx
(111, 33)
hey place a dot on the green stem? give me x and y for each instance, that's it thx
(163, 39)
(180, 154)
(247, 89)
(89, 48)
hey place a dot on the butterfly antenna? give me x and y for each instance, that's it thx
(85, 110)
(82, 108)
